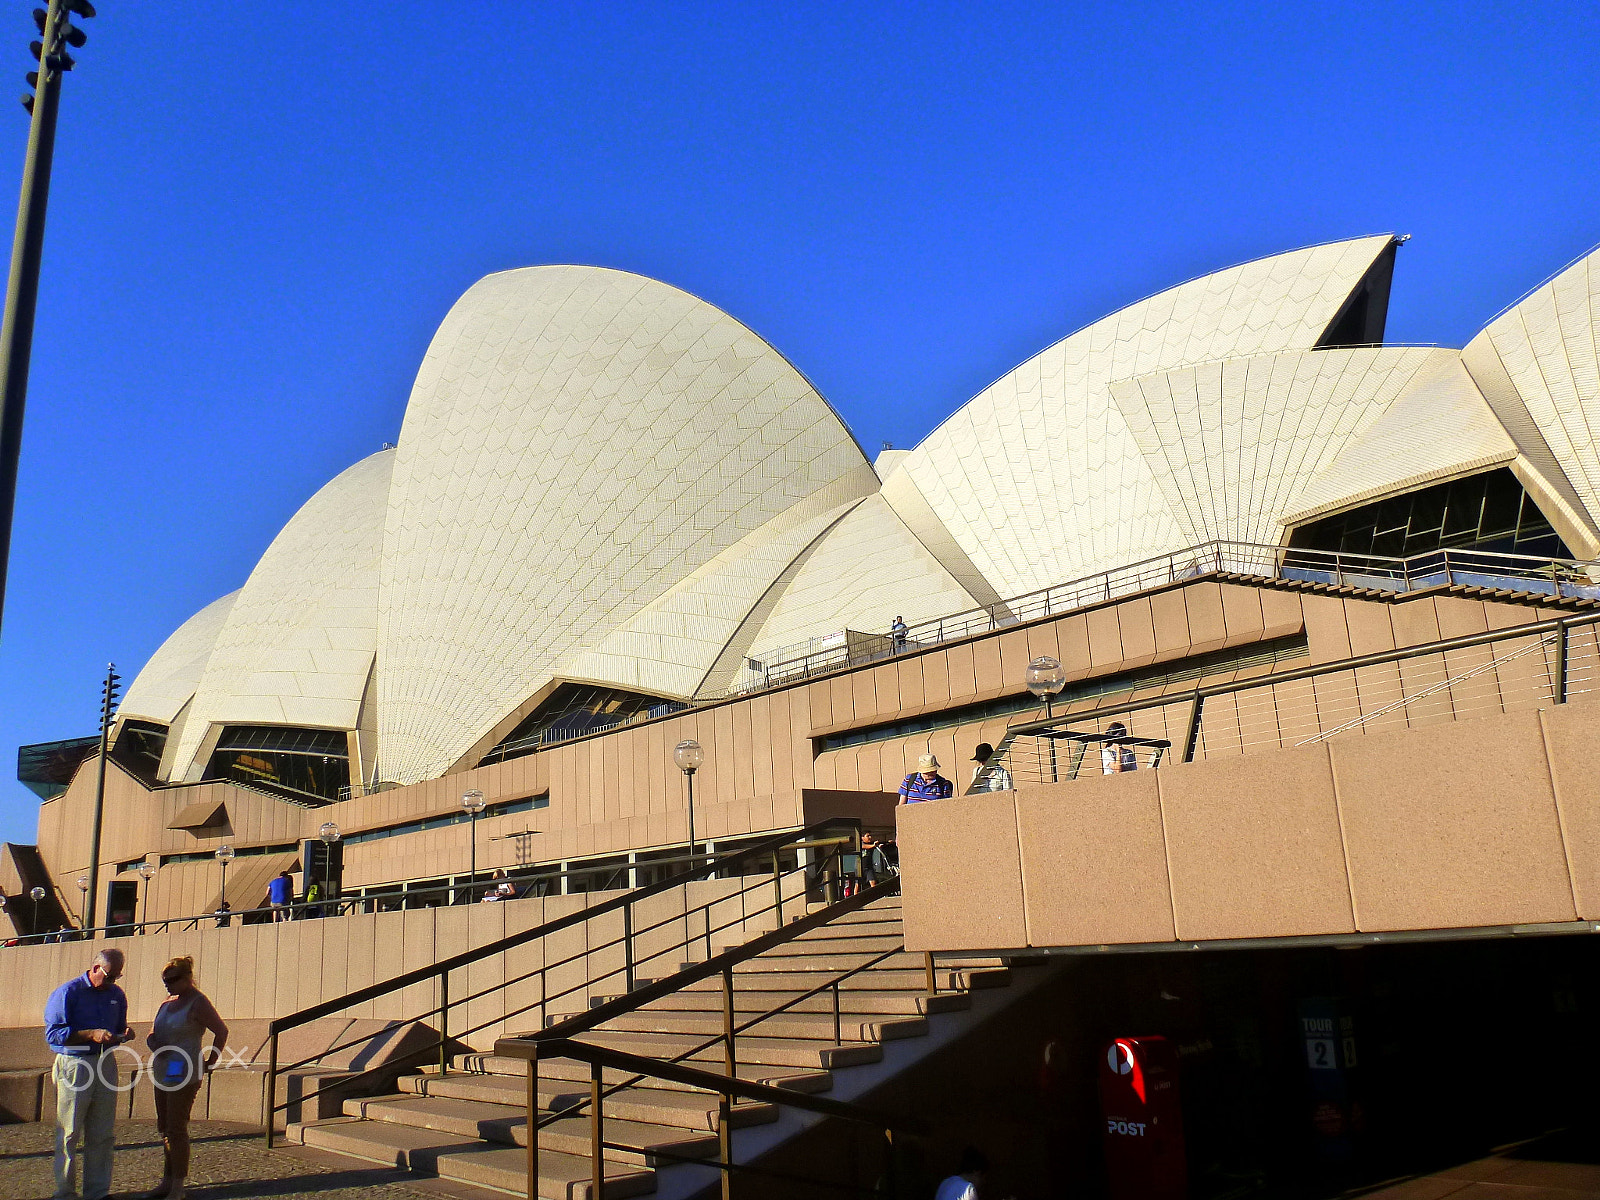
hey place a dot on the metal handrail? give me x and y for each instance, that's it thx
(630, 964)
(727, 1087)
(441, 970)
(1219, 556)
(1560, 626)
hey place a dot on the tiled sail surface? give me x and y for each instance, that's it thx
(579, 441)
(1549, 346)
(1039, 478)
(1232, 444)
(172, 674)
(297, 645)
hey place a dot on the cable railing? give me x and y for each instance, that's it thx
(1057, 755)
(821, 876)
(1557, 578)
(1516, 669)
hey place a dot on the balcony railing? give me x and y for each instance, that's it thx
(1440, 568)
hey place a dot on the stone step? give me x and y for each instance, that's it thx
(506, 1125)
(752, 1050)
(571, 1071)
(853, 1027)
(816, 942)
(749, 999)
(561, 1176)
(801, 976)
(681, 1109)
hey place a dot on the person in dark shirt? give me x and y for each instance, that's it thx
(84, 1020)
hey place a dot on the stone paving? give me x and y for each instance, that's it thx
(229, 1162)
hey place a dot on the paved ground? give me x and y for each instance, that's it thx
(228, 1162)
(1560, 1166)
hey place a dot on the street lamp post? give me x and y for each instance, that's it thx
(225, 855)
(689, 755)
(56, 33)
(472, 802)
(36, 894)
(147, 872)
(83, 893)
(329, 833)
(1045, 678)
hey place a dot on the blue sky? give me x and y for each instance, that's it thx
(261, 212)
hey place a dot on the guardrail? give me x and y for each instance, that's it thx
(843, 856)
(1568, 578)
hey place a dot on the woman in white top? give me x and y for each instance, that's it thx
(177, 1066)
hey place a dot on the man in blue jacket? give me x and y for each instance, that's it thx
(85, 1019)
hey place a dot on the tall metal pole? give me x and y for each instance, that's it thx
(22, 289)
(106, 707)
(689, 775)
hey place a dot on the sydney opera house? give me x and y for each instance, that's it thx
(1248, 529)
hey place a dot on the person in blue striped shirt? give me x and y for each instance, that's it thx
(925, 783)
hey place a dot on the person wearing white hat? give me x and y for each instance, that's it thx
(925, 783)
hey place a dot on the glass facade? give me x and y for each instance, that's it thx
(573, 710)
(139, 747)
(1490, 512)
(309, 765)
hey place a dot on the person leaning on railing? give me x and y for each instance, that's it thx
(925, 783)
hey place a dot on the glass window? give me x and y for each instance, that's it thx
(304, 764)
(1489, 512)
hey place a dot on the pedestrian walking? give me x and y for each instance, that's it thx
(925, 783)
(986, 777)
(898, 632)
(280, 895)
(85, 1020)
(177, 1065)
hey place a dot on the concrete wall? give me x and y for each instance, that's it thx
(263, 971)
(1487, 822)
(620, 791)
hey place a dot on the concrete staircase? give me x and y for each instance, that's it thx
(469, 1125)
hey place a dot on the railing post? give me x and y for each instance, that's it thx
(838, 1029)
(933, 975)
(597, 1132)
(270, 1101)
(777, 888)
(444, 1023)
(727, 1022)
(725, 1142)
(1191, 730)
(533, 1124)
(891, 1182)
(1560, 686)
(627, 942)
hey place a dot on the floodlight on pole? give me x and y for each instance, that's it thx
(689, 755)
(56, 33)
(329, 833)
(147, 872)
(473, 802)
(1045, 678)
(225, 855)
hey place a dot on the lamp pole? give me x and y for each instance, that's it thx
(225, 855)
(36, 894)
(147, 872)
(689, 755)
(56, 32)
(329, 833)
(1045, 678)
(472, 802)
(83, 888)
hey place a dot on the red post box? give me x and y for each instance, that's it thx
(1144, 1126)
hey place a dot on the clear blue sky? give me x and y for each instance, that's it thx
(262, 210)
